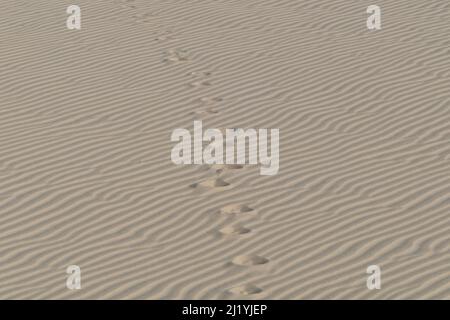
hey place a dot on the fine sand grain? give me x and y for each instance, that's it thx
(86, 177)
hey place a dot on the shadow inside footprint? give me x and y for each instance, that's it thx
(234, 230)
(236, 209)
(219, 168)
(211, 183)
(245, 290)
(249, 260)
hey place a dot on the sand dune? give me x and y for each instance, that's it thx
(86, 176)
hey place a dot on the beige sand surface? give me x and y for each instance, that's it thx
(85, 170)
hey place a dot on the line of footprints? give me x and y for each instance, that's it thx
(201, 80)
(208, 107)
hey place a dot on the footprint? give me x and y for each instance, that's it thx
(176, 55)
(199, 74)
(211, 183)
(245, 290)
(208, 103)
(128, 4)
(205, 112)
(164, 37)
(142, 17)
(233, 209)
(219, 168)
(208, 100)
(234, 230)
(249, 260)
(201, 83)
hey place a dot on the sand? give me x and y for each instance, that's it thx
(86, 177)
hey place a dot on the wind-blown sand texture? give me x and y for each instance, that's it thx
(85, 170)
